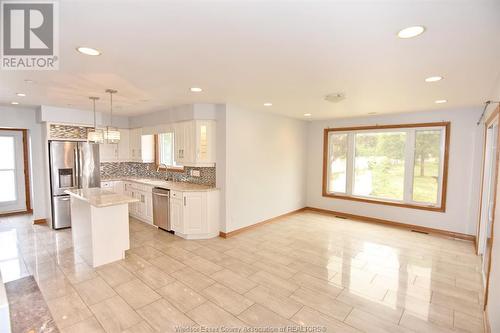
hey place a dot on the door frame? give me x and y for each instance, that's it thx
(27, 189)
(492, 117)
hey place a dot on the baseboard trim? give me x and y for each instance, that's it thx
(445, 233)
(258, 224)
(40, 221)
(24, 212)
(487, 327)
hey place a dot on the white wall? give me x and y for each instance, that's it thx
(175, 114)
(265, 166)
(26, 118)
(463, 173)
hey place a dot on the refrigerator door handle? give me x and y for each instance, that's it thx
(77, 168)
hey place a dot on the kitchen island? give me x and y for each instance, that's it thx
(99, 224)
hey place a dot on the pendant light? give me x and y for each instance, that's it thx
(95, 135)
(111, 134)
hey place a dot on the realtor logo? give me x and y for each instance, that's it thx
(30, 36)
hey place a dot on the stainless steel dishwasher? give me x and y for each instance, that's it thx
(161, 208)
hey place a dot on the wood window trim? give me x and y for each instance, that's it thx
(489, 121)
(442, 208)
(27, 189)
(157, 158)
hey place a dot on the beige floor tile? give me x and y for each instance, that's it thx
(79, 272)
(309, 317)
(136, 293)
(178, 253)
(321, 302)
(366, 322)
(54, 288)
(202, 265)
(276, 284)
(114, 314)
(210, 254)
(437, 314)
(317, 284)
(167, 264)
(238, 267)
(68, 310)
(234, 281)
(470, 308)
(154, 277)
(193, 279)
(275, 268)
(210, 315)
(164, 317)
(226, 298)
(418, 325)
(142, 327)
(308, 268)
(242, 255)
(284, 306)
(146, 252)
(94, 290)
(180, 295)
(375, 307)
(89, 325)
(133, 262)
(259, 316)
(466, 323)
(114, 274)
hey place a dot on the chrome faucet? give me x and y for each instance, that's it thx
(159, 166)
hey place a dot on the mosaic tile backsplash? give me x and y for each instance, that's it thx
(111, 170)
(68, 132)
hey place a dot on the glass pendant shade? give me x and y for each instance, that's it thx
(112, 135)
(95, 135)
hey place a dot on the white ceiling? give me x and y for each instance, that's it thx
(289, 53)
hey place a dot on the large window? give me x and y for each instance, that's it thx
(403, 165)
(165, 152)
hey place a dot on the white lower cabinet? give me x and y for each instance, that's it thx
(195, 215)
(142, 210)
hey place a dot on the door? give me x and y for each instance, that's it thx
(12, 172)
(89, 168)
(194, 219)
(176, 206)
(488, 196)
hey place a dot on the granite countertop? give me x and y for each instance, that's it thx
(170, 185)
(99, 197)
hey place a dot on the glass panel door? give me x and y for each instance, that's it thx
(12, 189)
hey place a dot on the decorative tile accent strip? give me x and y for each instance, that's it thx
(68, 132)
(110, 170)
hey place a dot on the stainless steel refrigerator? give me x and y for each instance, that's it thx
(72, 165)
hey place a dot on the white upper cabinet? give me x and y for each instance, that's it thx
(195, 143)
(124, 146)
(147, 148)
(135, 145)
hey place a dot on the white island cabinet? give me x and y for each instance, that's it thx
(100, 225)
(195, 214)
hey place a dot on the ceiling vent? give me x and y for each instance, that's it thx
(335, 98)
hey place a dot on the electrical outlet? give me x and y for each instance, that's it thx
(195, 173)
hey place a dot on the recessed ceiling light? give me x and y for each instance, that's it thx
(21, 94)
(441, 101)
(433, 79)
(14, 103)
(196, 89)
(88, 51)
(411, 32)
(268, 104)
(307, 114)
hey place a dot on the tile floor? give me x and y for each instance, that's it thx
(307, 269)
